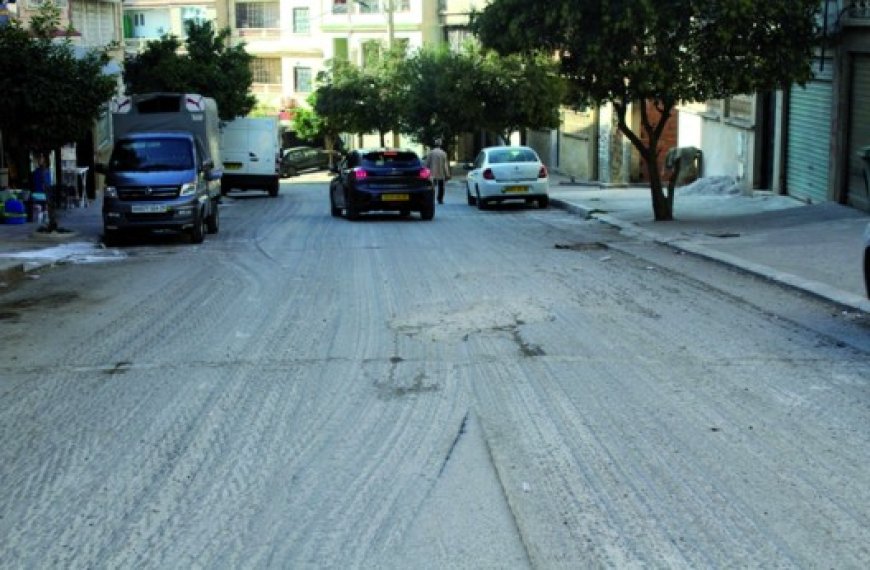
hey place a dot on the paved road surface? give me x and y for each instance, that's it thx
(504, 389)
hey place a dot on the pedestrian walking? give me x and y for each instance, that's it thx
(439, 166)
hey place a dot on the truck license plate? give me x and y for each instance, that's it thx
(394, 197)
(149, 208)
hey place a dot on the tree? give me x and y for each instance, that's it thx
(51, 95)
(309, 125)
(439, 97)
(518, 92)
(626, 52)
(210, 67)
(338, 99)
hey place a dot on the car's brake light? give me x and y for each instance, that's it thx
(488, 175)
(360, 173)
(425, 173)
(543, 172)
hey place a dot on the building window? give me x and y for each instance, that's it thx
(193, 14)
(302, 79)
(340, 49)
(339, 7)
(266, 70)
(402, 5)
(370, 7)
(258, 15)
(301, 24)
(371, 53)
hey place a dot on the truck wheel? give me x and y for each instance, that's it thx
(111, 238)
(273, 191)
(214, 221)
(225, 189)
(197, 234)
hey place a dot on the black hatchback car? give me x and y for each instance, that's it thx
(302, 158)
(370, 180)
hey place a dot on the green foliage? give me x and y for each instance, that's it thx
(337, 99)
(307, 124)
(437, 94)
(51, 94)
(628, 51)
(680, 50)
(210, 66)
(518, 92)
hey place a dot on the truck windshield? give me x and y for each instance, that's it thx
(152, 154)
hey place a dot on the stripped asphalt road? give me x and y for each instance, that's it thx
(502, 389)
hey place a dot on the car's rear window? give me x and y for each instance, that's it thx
(512, 155)
(395, 158)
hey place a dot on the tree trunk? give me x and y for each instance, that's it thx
(663, 209)
(51, 209)
(662, 205)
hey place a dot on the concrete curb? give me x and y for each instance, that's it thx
(846, 300)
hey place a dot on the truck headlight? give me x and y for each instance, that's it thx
(188, 189)
(110, 192)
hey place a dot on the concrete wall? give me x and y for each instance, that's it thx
(728, 145)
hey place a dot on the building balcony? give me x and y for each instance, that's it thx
(258, 33)
(858, 12)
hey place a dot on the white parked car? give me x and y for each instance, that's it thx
(501, 173)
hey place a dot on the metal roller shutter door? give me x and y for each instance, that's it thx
(859, 131)
(808, 141)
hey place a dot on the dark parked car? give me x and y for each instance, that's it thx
(867, 260)
(382, 180)
(301, 158)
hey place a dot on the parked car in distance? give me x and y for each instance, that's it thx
(501, 173)
(381, 180)
(303, 158)
(867, 259)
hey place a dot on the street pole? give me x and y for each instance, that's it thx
(391, 27)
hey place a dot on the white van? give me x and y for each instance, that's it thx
(250, 147)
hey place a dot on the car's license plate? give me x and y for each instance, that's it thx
(516, 189)
(395, 197)
(149, 208)
(232, 165)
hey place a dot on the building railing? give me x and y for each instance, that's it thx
(859, 9)
(258, 33)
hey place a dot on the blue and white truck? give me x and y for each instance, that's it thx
(165, 169)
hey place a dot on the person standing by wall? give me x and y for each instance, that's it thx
(41, 188)
(439, 165)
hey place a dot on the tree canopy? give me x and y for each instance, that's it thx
(437, 94)
(52, 94)
(632, 51)
(209, 66)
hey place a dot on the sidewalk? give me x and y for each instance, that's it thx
(24, 249)
(815, 248)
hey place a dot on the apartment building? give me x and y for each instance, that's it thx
(292, 40)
